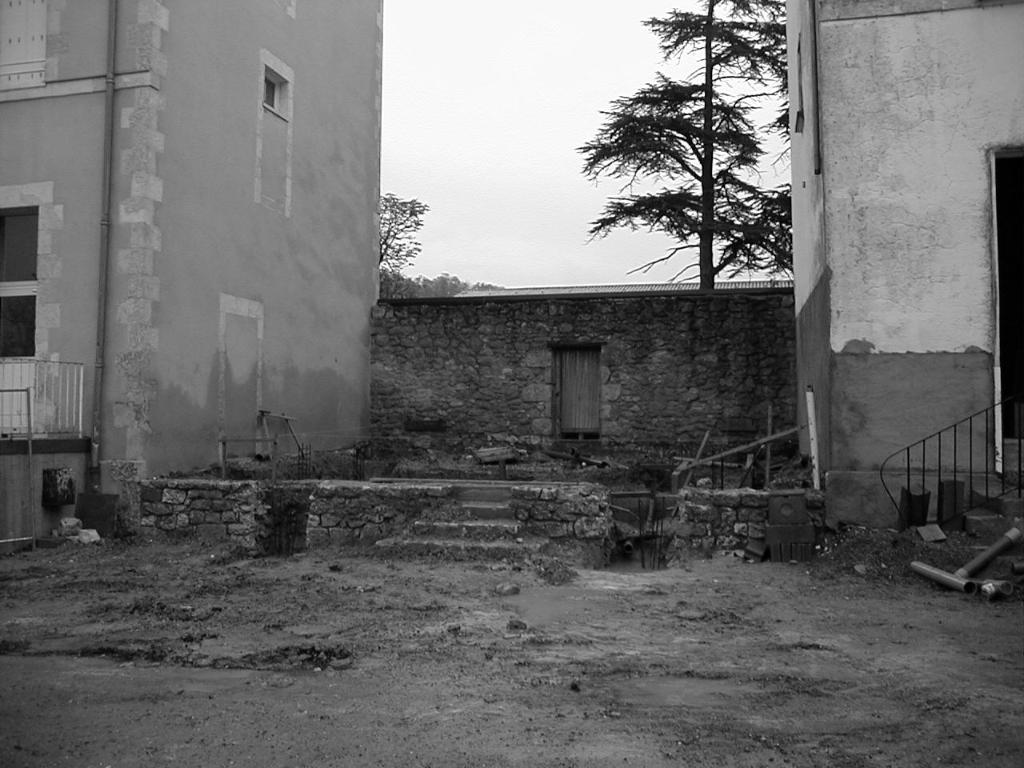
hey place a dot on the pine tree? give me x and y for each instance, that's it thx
(701, 141)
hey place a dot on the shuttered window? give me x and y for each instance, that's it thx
(22, 43)
(578, 394)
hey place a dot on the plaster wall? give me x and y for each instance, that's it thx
(224, 302)
(916, 103)
(197, 259)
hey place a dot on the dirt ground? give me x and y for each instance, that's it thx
(148, 655)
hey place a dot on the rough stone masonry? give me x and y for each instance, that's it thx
(463, 372)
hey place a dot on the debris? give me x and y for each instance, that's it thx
(516, 625)
(861, 569)
(1017, 568)
(497, 455)
(994, 589)
(1005, 541)
(70, 526)
(507, 589)
(756, 551)
(87, 536)
(931, 532)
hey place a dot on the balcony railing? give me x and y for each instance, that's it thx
(51, 391)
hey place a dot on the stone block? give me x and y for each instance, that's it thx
(331, 519)
(211, 532)
(150, 493)
(536, 393)
(69, 526)
(174, 496)
(697, 512)
(239, 529)
(317, 537)
(755, 499)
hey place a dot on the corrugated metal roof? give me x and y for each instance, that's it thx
(626, 289)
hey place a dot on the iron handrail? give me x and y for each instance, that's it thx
(992, 431)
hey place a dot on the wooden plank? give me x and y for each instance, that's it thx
(688, 463)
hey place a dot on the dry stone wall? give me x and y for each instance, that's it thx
(255, 516)
(459, 373)
(727, 519)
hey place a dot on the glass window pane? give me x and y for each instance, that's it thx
(18, 326)
(19, 245)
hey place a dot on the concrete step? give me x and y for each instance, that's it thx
(479, 530)
(487, 510)
(461, 549)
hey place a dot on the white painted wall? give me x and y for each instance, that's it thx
(912, 107)
(808, 245)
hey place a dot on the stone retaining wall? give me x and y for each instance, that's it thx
(726, 519)
(318, 513)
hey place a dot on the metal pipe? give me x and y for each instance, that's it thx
(942, 577)
(32, 511)
(106, 241)
(20, 538)
(1005, 541)
(993, 589)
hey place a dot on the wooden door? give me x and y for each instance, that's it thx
(579, 392)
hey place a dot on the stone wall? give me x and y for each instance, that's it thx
(465, 372)
(727, 519)
(312, 513)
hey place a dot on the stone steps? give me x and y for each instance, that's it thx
(461, 549)
(486, 510)
(484, 530)
(483, 493)
(480, 530)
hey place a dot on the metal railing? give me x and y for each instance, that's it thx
(972, 451)
(57, 398)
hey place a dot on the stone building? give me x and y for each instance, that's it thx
(635, 367)
(188, 197)
(907, 122)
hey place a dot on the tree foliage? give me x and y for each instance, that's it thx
(402, 287)
(400, 220)
(701, 141)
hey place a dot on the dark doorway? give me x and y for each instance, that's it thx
(578, 392)
(1009, 204)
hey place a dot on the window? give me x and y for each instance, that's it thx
(275, 93)
(578, 392)
(19, 244)
(269, 93)
(22, 43)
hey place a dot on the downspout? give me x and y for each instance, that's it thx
(105, 244)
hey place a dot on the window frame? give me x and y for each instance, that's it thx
(12, 289)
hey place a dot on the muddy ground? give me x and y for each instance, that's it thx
(149, 655)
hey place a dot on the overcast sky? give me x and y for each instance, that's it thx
(484, 107)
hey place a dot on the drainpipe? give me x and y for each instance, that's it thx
(105, 244)
(942, 577)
